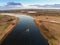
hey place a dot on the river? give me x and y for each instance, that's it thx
(25, 32)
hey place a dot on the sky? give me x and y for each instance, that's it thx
(26, 2)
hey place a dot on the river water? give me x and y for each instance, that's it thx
(25, 32)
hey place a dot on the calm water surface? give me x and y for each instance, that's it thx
(25, 32)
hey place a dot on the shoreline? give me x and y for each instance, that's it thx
(49, 28)
(9, 29)
(41, 30)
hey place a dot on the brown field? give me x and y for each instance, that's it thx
(6, 25)
(39, 12)
(50, 28)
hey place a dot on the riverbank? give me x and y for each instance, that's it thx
(8, 30)
(49, 28)
(41, 29)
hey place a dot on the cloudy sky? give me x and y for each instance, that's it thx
(26, 2)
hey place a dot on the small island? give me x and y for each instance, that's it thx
(6, 25)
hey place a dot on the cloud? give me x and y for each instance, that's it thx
(13, 3)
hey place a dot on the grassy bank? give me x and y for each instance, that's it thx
(50, 28)
(7, 27)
